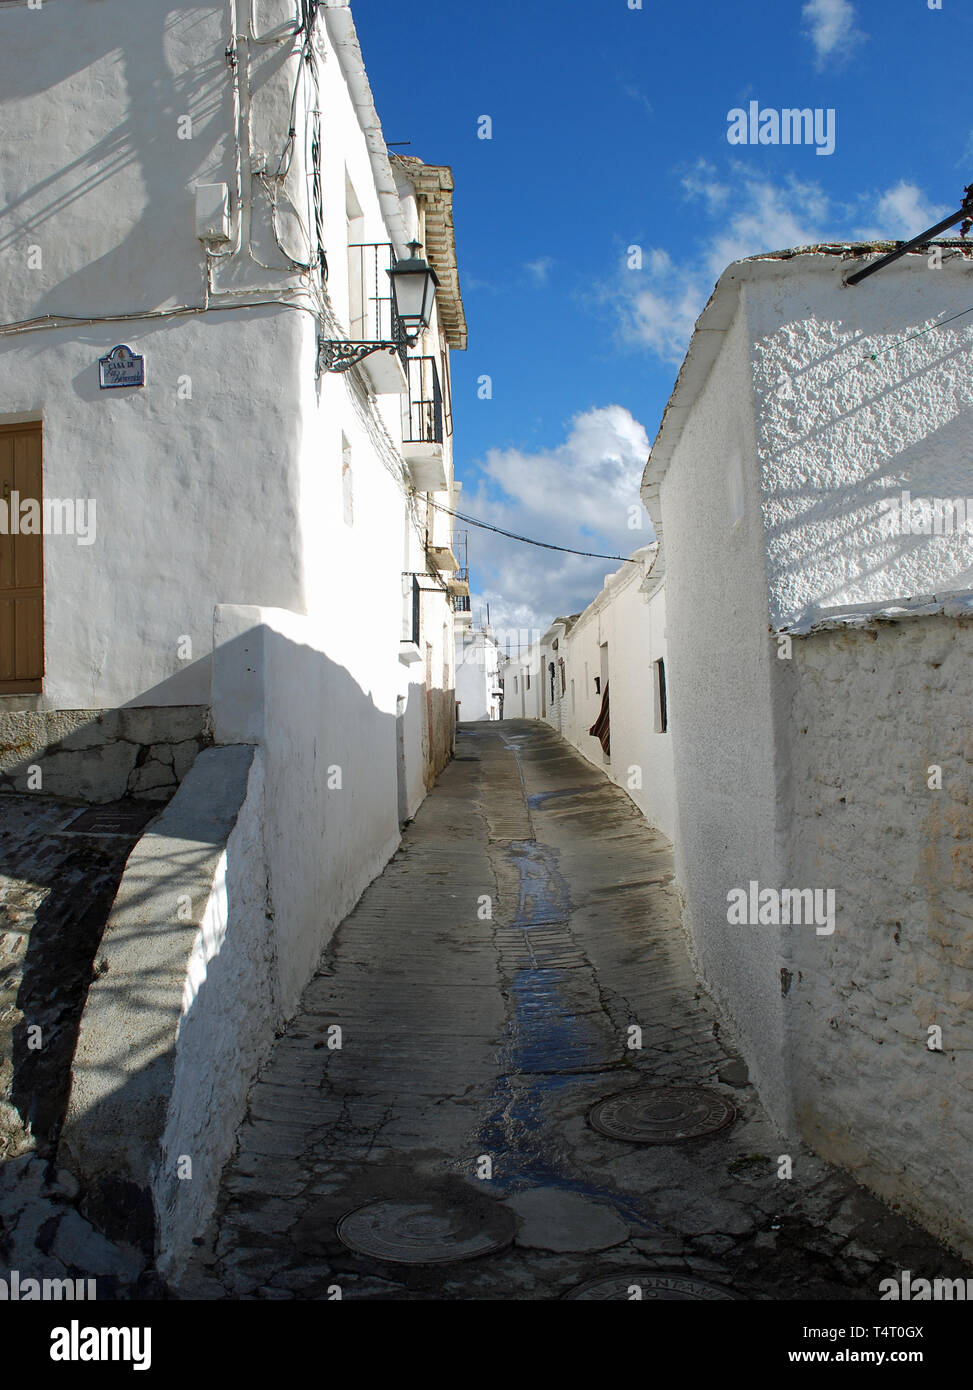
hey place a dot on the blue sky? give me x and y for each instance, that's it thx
(610, 131)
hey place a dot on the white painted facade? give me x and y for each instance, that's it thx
(262, 526)
(618, 642)
(812, 685)
(480, 668)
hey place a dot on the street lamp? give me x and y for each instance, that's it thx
(414, 285)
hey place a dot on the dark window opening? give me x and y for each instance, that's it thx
(662, 698)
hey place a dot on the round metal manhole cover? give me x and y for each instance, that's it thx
(426, 1232)
(661, 1114)
(637, 1286)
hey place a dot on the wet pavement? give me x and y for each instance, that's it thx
(520, 960)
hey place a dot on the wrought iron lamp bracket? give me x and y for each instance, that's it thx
(339, 355)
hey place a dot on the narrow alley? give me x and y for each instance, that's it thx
(425, 1127)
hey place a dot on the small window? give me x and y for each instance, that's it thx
(597, 685)
(528, 680)
(661, 699)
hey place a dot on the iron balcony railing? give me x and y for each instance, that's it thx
(371, 309)
(423, 420)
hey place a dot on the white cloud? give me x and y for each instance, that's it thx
(636, 94)
(579, 495)
(656, 307)
(903, 212)
(540, 270)
(831, 25)
(659, 304)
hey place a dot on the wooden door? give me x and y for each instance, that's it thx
(21, 563)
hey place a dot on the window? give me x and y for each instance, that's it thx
(661, 699)
(528, 680)
(597, 685)
(516, 687)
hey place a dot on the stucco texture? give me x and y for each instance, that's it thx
(873, 713)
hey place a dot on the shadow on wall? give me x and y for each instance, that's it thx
(222, 914)
(138, 148)
(96, 756)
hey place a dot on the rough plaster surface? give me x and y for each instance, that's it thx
(838, 432)
(871, 713)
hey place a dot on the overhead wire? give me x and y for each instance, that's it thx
(527, 540)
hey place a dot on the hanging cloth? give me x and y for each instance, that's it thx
(601, 728)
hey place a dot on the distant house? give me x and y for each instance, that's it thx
(480, 680)
(610, 661)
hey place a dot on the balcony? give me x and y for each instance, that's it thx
(372, 317)
(463, 610)
(423, 426)
(458, 584)
(442, 559)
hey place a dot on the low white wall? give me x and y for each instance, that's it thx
(873, 713)
(177, 1021)
(231, 1012)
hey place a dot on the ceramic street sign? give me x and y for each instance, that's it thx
(122, 367)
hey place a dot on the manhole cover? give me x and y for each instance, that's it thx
(114, 818)
(426, 1233)
(636, 1286)
(661, 1114)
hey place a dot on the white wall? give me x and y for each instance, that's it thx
(626, 629)
(723, 731)
(277, 683)
(477, 676)
(871, 712)
(838, 433)
(810, 771)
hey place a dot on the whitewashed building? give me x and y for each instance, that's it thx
(480, 676)
(820, 635)
(200, 214)
(610, 661)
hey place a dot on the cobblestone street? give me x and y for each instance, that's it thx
(474, 1046)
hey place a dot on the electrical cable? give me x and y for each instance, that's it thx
(874, 356)
(526, 540)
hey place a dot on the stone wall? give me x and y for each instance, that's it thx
(874, 712)
(101, 755)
